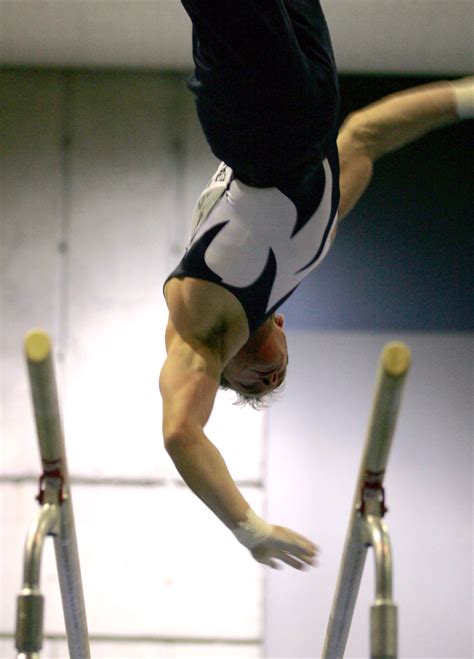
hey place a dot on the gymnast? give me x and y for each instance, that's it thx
(267, 98)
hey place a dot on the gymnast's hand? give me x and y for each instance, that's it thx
(269, 544)
(286, 546)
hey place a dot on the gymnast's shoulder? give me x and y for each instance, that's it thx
(204, 313)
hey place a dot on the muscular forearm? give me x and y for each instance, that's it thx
(403, 117)
(390, 124)
(203, 469)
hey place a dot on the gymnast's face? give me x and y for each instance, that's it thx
(260, 365)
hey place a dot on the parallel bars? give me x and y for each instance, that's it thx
(366, 526)
(55, 517)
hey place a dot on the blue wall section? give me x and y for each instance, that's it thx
(403, 258)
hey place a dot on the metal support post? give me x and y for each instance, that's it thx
(56, 516)
(383, 612)
(365, 525)
(30, 601)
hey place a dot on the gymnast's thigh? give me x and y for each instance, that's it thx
(246, 38)
(265, 81)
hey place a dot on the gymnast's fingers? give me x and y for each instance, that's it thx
(289, 560)
(294, 543)
(261, 555)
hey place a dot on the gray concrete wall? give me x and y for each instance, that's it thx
(100, 173)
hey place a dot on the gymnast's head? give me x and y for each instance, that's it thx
(258, 370)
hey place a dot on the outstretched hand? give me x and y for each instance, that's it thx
(269, 543)
(286, 546)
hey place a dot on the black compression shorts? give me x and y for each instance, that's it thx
(265, 84)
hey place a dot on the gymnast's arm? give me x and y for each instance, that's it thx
(386, 126)
(189, 381)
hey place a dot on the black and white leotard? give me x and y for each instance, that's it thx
(267, 98)
(260, 243)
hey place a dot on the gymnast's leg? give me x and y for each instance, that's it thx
(265, 83)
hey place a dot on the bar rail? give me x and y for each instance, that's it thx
(365, 525)
(54, 491)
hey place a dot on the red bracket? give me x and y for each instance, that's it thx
(51, 470)
(372, 484)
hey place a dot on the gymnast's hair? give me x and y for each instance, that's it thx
(255, 401)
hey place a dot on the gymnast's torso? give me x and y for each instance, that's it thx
(260, 243)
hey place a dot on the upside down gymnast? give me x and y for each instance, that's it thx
(266, 91)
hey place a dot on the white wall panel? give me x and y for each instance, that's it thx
(384, 35)
(111, 166)
(124, 177)
(30, 218)
(57, 649)
(402, 36)
(124, 191)
(134, 190)
(316, 435)
(154, 561)
(198, 165)
(112, 404)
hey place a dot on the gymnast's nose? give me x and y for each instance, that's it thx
(271, 379)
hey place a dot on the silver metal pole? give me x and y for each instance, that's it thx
(30, 601)
(369, 496)
(55, 489)
(383, 612)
